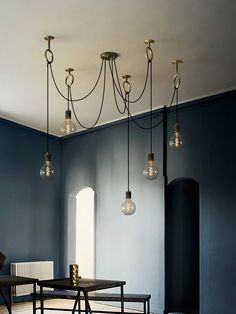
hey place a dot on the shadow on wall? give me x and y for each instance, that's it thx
(2, 260)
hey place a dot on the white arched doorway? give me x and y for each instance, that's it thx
(81, 231)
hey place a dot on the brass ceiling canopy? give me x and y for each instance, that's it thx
(49, 37)
(108, 55)
(126, 76)
(149, 41)
(176, 61)
(69, 70)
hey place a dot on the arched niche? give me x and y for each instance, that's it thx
(81, 231)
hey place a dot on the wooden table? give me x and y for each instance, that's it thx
(84, 285)
(11, 281)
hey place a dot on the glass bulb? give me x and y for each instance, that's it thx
(47, 171)
(68, 126)
(176, 141)
(151, 170)
(128, 207)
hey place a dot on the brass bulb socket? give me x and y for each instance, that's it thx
(68, 114)
(176, 128)
(151, 157)
(48, 157)
(128, 194)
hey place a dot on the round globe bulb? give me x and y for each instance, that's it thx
(68, 126)
(176, 141)
(47, 171)
(150, 170)
(128, 207)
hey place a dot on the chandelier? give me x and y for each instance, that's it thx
(121, 91)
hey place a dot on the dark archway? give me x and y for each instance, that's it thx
(182, 246)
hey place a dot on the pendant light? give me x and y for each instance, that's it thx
(150, 170)
(47, 171)
(176, 142)
(128, 207)
(68, 126)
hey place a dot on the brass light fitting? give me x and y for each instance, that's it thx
(108, 55)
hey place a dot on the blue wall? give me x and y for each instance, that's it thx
(29, 206)
(209, 157)
(131, 248)
(127, 248)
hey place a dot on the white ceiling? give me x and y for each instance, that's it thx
(201, 33)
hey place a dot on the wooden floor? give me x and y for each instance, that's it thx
(26, 307)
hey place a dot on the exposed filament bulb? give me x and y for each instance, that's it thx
(47, 171)
(176, 141)
(150, 171)
(68, 126)
(128, 207)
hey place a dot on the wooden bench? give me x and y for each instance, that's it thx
(103, 297)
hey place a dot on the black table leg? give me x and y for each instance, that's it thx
(76, 301)
(41, 300)
(87, 305)
(9, 298)
(34, 298)
(122, 299)
(5, 302)
(79, 304)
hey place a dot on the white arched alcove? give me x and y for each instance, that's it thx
(81, 231)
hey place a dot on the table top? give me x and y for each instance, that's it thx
(84, 284)
(10, 280)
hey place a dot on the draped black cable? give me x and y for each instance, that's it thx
(114, 91)
(118, 81)
(176, 87)
(155, 116)
(68, 95)
(121, 95)
(47, 91)
(172, 99)
(128, 135)
(116, 88)
(125, 106)
(177, 105)
(89, 93)
(144, 87)
(150, 107)
(101, 106)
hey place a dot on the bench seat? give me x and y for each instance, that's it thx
(105, 297)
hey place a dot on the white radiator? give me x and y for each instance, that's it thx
(40, 270)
